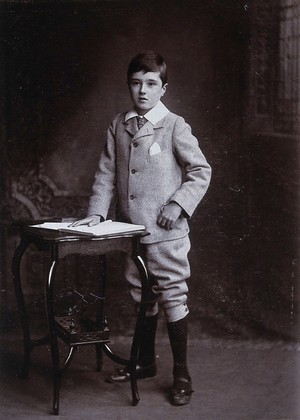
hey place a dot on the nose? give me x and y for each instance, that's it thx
(143, 88)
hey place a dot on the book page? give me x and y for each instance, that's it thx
(101, 229)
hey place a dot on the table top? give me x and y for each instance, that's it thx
(49, 235)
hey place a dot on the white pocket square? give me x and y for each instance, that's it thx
(154, 149)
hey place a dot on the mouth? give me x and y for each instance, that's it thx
(143, 100)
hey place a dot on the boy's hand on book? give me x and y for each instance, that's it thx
(169, 215)
(90, 221)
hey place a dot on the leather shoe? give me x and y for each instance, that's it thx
(142, 372)
(181, 391)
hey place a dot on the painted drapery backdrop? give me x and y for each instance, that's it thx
(232, 76)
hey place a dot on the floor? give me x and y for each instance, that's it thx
(232, 379)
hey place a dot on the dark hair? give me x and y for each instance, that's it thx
(148, 61)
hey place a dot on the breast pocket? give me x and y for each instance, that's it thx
(161, 155)
(160, 167)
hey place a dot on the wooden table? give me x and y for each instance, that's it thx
(73, 331)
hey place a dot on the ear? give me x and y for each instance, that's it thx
(164, 88)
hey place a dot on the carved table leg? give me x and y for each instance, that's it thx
(141, 315)
(52, 334)
(100, 318)
(16, 268)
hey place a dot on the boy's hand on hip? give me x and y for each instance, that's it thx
(90, 221)
(169, 215)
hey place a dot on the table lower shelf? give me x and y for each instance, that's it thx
(75, 330)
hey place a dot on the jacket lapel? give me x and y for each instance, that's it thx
(147, 129)
(130, 126)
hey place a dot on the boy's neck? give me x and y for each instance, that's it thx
(141, 113)
(154, 114)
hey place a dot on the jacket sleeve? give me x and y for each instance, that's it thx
(104, 183)
(196, 171)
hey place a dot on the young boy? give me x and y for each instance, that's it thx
(155, 168)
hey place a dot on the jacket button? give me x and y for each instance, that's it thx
(131, 197)
(133, 171)
(135, 144)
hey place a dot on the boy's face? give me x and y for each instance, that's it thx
(146, 89)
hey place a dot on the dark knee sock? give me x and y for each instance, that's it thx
(147, 346)
(178, 339)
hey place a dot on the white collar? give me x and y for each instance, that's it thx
(157, 113)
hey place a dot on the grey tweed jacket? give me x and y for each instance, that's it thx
(147, 168)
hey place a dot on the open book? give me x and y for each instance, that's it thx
(106, 228)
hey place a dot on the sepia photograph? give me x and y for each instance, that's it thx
(149, 209)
